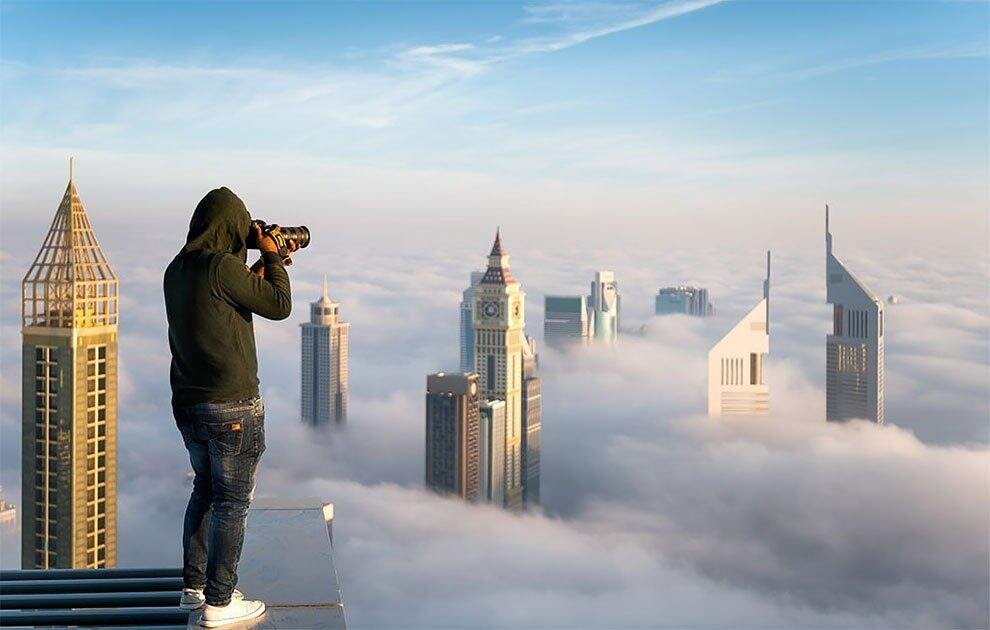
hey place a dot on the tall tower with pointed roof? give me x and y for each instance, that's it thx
(735, 363)
(499, 317)
(324, 374)
(854, 357)
(69, 312)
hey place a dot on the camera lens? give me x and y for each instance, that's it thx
(298, 234)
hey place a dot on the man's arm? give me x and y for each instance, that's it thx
(269, 297)
(266, 294)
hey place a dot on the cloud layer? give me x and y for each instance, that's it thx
(654, 515)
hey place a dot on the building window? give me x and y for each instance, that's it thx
(96, 420)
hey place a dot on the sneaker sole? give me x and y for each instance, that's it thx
(224, 622)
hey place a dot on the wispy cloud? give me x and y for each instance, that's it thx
(965, 51)
(352, 95)
(579, 22)
(615, 21)
(446, 57)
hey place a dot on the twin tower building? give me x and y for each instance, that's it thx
(483, 426)
(854, 353)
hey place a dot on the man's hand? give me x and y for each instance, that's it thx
(258, 268)
(265, 242)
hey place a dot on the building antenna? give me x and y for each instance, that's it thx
(70, 168)
(326, 292)
(828, 233)
(766, 291)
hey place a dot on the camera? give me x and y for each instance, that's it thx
(281, 235)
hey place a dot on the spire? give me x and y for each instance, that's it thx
(766, 291)
(498, 263)
(497, 249)
(828, 234)
(70, 168)
(70, 283)
(326, 291)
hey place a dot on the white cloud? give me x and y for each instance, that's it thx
(655, 515)
(928, 53)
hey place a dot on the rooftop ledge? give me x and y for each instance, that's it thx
(287, 562)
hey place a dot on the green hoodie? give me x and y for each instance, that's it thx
(210, 296)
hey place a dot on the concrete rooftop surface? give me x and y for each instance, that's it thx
(287, 562)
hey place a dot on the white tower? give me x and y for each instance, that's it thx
(854, 351)
(605, 303)
(498, 341)
(324, 363)
(735, 363)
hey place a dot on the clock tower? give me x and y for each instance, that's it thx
(498, 342)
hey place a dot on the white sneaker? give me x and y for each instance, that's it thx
(239, 609)
(192, 599)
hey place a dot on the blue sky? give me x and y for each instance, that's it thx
(690, 103)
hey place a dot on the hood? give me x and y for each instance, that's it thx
(220, 224)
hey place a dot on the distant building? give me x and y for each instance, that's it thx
(492, 452)
(70, 309)
(324, 363)
(735, 363)
(684, 300)
(499, 318)
(605, 302)
(8, 512)
(452, 432)
(854, 363)
(467, 323)
(567, 320)
(532, 398)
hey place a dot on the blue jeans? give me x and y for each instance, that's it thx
(225, 442)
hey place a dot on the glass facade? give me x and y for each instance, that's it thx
(46, 456)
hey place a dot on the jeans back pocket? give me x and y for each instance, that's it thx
(226, 437)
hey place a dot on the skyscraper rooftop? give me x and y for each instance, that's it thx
(70, 283)
(498, 264)
(288, 563)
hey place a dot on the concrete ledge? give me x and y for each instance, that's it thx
(288, 563)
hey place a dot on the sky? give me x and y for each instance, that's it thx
(671, 142)
(658, 116)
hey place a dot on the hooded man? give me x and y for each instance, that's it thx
(210, 298)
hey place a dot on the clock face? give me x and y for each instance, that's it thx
(489, 309)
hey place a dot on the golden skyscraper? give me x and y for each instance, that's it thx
(69, 313)
(499, 318)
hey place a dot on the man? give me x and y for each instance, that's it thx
(210, 296)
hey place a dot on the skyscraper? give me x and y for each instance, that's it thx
(567, 320)
(69, 312)
(467, 323)
(498, 339)
(452, 434)
(605, 303)
(324, 363)
(684, 300)
(854, 361)
(735, 363)
(532, 398)
(491, 452)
